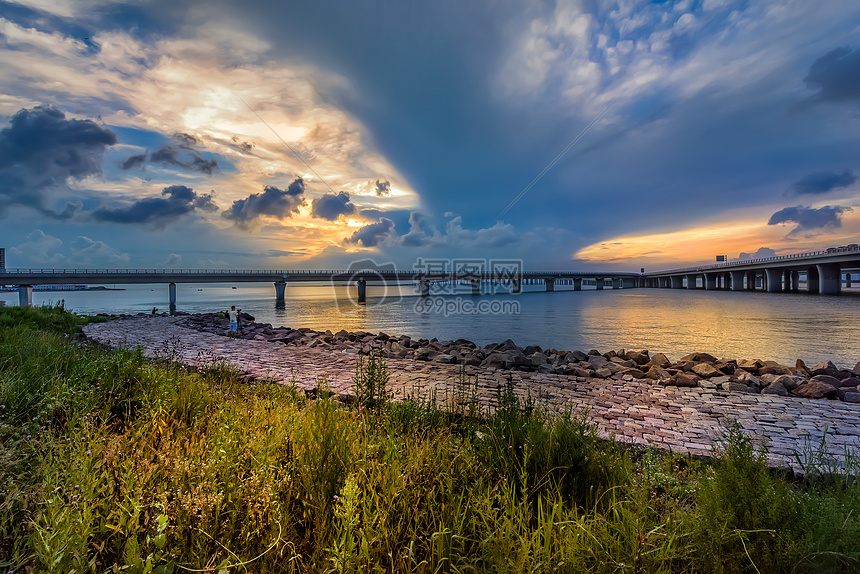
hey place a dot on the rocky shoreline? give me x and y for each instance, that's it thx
(822, 381)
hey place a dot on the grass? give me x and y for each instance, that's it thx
(113, 463)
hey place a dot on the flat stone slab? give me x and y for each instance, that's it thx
(677, 419)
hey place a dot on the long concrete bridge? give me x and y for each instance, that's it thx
(25, 279)
(819, 271)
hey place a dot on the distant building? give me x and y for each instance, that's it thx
(2, 259)
(721, 258)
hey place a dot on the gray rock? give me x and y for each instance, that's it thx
(827, 379)
(598, 361)
(580, 356)
(685, 380)
(852, 398)
(775, 388)
(444, 359)
(825, 368)
(706, 371)
(660, 360)
(815, 390)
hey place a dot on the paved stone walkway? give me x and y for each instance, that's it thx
(684, 420)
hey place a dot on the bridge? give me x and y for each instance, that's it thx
(821, 272)
(25, 279)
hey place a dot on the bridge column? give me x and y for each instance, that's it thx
(550, 285)
(794, 283)
(362, 291)
(786, 280)
(476, 286)
(677, 281)
(599, 283)
(830, 280)
(691, 281)
(425, 287)
(848, 280)
(773, 278)
(710, 281)
(280, 289)
(616, 283)
(25, 295)
(812, 280)
(577, 284)
(751, 280)
(171, 296)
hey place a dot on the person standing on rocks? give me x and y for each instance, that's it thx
(233, 314)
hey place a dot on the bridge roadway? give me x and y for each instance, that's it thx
(25, 279)
(822, 272)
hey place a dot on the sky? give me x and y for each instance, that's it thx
(288, 135)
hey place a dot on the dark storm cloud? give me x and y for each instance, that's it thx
(41, 150)
(182, 153)
(279, 203)
(809, 219)
(836, 75)
(177, 200)
(821, 182)
(383, 187)
(373, 234)
(134, 162)
(332, 205)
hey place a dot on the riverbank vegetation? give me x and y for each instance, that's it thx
(113, 463)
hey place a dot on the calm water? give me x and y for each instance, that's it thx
(781, 327)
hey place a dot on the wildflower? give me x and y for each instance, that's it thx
(88, 452)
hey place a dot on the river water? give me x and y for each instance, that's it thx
(781, 327)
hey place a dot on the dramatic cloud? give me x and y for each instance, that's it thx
(332, 205)
(498, 235)
(42, 150)
(373, 234)
(836, 75)
(177, 200)
(182, 153)
(134, 162)
(822, 182)
(383, 187)
(421, 230)
(274, 202)
(808, 219)
(759, 254)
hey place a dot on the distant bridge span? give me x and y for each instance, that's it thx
(25, 279)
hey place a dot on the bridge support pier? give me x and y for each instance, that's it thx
(25, 295)
(773, 278)
(280, 289)
(847, 280)
(829, 279)
(476, 287)
(691, 281)
(550, 285)
(599, 283)
(677, 282)
(425, 287)
(171, 296)
(616, 283)
(710, 281)
(577, 284)
(812, 280)
(362, 291)
(794, 281)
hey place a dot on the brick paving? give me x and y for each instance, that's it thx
(677, 419)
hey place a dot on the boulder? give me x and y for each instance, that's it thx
(856, 369)
(598, 361)
(825, 368)
(706, 371)
(579, 355)
(634, 372)
(685, 380)
(656, 373)
(638, 357)
(603, 373)
(842, 391)
(734, 387)
(545, 368)
(509, 345)
(827, 379)
(750, 365)
(801, 369)
(473, 359)
(623, 362)
(537, 359)
(445, 359)
(852, 398)
(727, 367)
(774, 369)
(700, 358)
(790, 382)
(575, 371)
(660, 360)
(815, 390)
(850, 382)
(531, 349)
(775, 388)
(424, 353)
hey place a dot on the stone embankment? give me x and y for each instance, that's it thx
(631, 410)
(824, 380)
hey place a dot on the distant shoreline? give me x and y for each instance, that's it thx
(63, 288)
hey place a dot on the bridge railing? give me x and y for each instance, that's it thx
(286, 272)
(798, 256)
